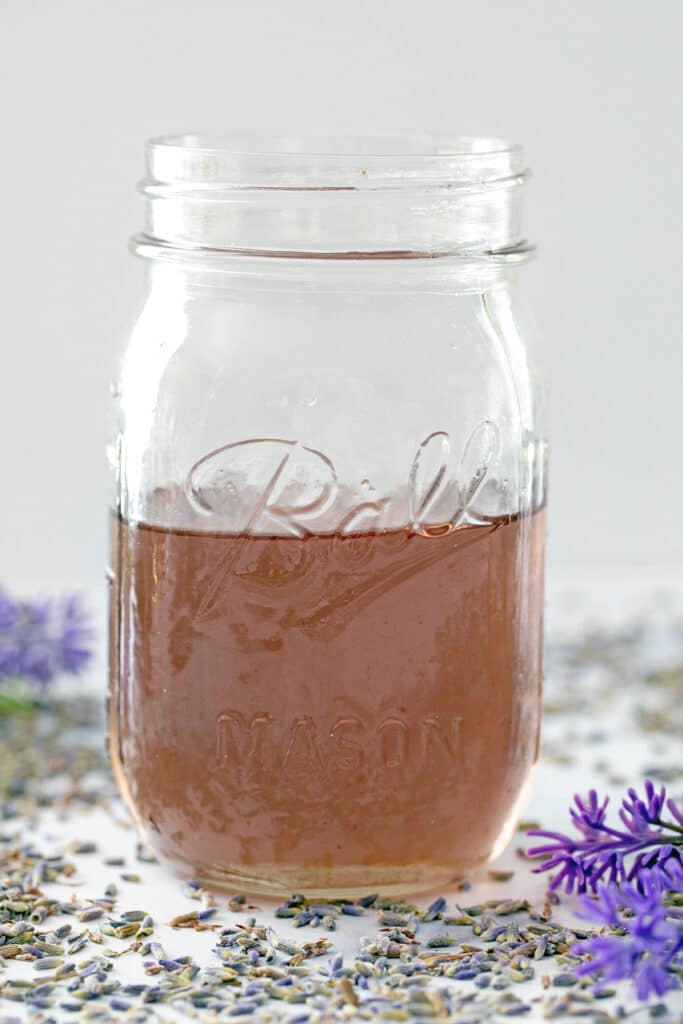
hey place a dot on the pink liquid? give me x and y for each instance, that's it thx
(327, 714)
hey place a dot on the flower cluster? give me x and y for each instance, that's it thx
(648, 946)
(43, 639)
(600, 852)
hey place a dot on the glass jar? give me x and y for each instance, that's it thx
(328, 537)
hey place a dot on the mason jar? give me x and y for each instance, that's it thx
(328, 532)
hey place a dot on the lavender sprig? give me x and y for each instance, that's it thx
(43, 639)
(601, 852)
(648, 948)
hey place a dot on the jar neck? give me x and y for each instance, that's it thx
(182, 271)
(363, 200)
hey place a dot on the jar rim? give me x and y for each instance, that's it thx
(243, 160)
(336, 144)
(337, 195)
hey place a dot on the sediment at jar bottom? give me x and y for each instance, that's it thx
(292, 712)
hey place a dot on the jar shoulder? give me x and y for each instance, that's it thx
(396, 402)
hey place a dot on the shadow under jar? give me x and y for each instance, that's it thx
(328, 533)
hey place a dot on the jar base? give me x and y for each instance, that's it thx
(350, 881)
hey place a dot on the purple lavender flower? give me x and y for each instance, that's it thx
(8, 611)
(636, 814)
(601, 853)
(75, 636)
(649, 949)
(41, 639)
(589, 816)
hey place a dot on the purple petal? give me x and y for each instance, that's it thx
(8, 611)
(651, 979)
(38, 663)
(10, 659)
(675, 810)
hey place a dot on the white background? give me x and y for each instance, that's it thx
(594, 92)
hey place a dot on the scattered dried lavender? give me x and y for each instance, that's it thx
(412, 965)
(66, 951)
(54, 759)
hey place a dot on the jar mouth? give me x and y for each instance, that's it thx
(334, 195)
(333, 162)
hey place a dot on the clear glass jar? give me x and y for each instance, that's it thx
(328, 539)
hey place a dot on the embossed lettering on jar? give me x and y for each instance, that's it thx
(329, 526)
